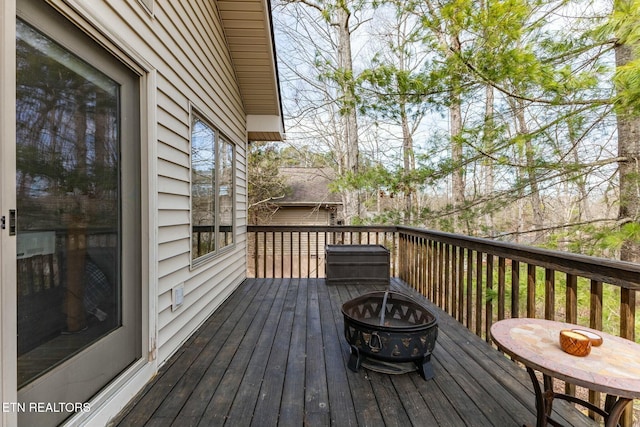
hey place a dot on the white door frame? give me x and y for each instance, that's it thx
(8, 307)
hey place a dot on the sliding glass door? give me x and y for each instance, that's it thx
(78, 214)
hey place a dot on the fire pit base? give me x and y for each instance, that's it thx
(357, 360)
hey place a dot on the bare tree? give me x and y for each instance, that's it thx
(333, 20)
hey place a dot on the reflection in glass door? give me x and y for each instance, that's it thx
(67, 173)
(77, 297)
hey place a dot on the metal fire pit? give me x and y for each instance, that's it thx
(390, 327)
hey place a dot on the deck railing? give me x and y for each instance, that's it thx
(477, 281)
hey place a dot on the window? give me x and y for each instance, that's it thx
(212, 189)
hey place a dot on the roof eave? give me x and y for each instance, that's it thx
(249, 33)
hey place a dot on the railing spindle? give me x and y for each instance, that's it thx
(299, 255)
(275, 254)
(515, 289)
(502, 272)
(479, 293)
(290, 254)
(571, 305)
(627, 313)
(469, 319)
(255, 254)
(264, 248)
(439, 275)
(489, 298)
(461, 285)
(549, 294)
(531, 290)
(420, 261)
(435, 272)
(447, 283)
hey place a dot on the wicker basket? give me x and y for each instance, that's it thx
(575, 343)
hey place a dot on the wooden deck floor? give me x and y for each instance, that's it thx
(275, 354)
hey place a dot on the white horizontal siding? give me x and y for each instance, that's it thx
(168, 169)
(173, 155)
(203, 294)
(172, 201)
(170, 279)
(171, 130)
(169, 217)
(198, 44)
(168, 249)
(173, 186)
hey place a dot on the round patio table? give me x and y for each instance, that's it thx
(612, 368)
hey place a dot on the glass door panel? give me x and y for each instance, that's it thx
(67, 174)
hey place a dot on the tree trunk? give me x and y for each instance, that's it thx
(629, 168)
(350, 120)
(408, 161)
(455, 117)
(530, 168)
(488, 144)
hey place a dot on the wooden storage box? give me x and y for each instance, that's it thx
(348, 264)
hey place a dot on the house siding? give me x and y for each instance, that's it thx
(191, 74)
(306, 215)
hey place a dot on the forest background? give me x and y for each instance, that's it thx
(514, 119)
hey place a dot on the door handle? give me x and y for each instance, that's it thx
(12, 222)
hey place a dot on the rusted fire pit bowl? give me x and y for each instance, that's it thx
(391, 327)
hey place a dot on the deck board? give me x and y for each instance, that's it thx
(270, 390)
(292, 406)
(340, 399)
(274, 354)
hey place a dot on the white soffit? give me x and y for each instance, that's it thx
(247, 26)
